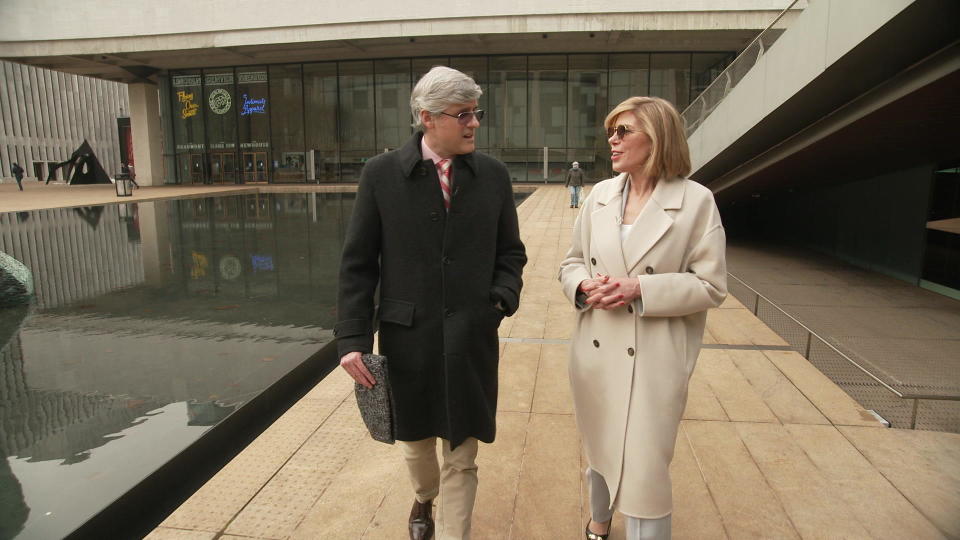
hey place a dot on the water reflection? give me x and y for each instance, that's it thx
(151, 322)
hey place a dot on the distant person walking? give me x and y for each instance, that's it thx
(17, 172)
(575, 184)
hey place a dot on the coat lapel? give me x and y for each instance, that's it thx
(464, 176)
(414, 167)
(605, 230)
(653, 222)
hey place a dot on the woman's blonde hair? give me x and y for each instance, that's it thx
(657, 117)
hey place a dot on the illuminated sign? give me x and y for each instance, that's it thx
(261, 263)
(220, 101)
(230, 267)
(189, 107)
(250, 105)
(200, 264)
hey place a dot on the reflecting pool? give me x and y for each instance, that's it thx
(151, 323)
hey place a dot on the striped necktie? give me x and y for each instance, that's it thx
(443, 171)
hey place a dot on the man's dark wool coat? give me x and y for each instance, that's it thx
(440, 275)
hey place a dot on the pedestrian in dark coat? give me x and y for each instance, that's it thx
(575, 184)
(443, 245)
(17, 171)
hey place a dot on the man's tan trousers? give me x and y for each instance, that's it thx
(456, 482)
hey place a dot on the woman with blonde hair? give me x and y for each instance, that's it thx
(645, 263)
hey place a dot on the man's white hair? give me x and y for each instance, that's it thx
(440, 88)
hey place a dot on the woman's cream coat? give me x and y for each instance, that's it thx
(629, 371)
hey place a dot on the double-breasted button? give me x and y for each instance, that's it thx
(596, 344)
(434, 216)
(448, 313)
(630, 309)
(593, 261)
(649, 270)
(447, 260)
(630, 351)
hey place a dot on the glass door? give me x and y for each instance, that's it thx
(197, 175)
(255, 167)
(223, 169)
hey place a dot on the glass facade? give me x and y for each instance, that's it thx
(320, 122)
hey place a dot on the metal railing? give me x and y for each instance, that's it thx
(704, 104)
(807, 342)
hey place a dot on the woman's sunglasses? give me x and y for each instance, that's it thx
(620, 130)
(464, 117)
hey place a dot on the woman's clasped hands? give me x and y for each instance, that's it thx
(605, 292)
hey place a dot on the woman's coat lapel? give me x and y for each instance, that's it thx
(656, 218)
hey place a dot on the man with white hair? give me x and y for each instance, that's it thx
(435, 226)
(575, 183)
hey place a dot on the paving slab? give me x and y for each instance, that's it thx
(807, 496)
(347, 506)
(826, 396)
(552, 394)
(870, 498)
(518, 376)
(499, 466)
(747, 504)
(695, 513)
(923, 465)
(548, 505)
(164, 533)
(784, 399)
(733, 391)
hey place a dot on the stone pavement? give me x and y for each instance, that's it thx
(768, 448)
(907, 336)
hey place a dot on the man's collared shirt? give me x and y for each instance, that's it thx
(428, 153)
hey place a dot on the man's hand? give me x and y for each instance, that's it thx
(352, 363)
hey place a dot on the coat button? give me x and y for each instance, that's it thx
(630, 309)
(596, 344)
(649, 270)
(434, 216)
(447, 260)
(630, 351)
(448, 313)
(593, 261)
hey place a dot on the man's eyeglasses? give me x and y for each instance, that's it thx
(620, 130)
(465, 117)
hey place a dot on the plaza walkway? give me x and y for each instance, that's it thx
(768, 448)
(906, 336)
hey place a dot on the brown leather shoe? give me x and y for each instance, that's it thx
(421, 520)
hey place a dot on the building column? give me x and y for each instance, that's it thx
(146, 133)
(154, 243)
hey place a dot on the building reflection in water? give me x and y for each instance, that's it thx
(152, 322)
